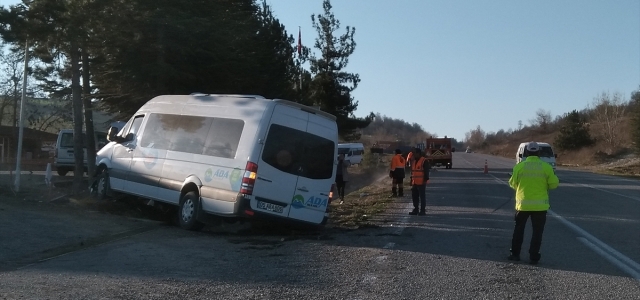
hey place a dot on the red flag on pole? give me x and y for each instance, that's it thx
(299, 42)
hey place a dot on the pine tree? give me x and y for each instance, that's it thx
(574, 133)
(331, 86)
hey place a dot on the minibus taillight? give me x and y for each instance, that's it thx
(333, 187)
(249, 178)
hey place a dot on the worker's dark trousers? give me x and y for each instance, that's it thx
(538, 219)
(419, 196)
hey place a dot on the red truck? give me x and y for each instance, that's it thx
(438, 151)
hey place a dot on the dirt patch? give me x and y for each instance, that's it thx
(35, 195)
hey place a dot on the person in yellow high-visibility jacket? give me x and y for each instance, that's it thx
(396, 172)
(532, 179)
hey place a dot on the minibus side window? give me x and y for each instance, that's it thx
(193, 134)
(223, 138)
(189, 133)
(135, 126)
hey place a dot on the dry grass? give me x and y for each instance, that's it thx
(365, 194)
(359, 206)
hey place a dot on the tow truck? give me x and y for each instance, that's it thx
(438, 151)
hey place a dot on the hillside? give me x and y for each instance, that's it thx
(617, 158)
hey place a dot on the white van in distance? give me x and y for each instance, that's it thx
(224, 155)
(546, 153)
(353, 152)
(64, 158)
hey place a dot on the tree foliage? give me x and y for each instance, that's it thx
(121, 53)
(127, 52)
(149, 48)
(574, 132)
(607, 116)
(331, 86)
(383, 128)
(635, 119)
(475, 138)
(543, 120)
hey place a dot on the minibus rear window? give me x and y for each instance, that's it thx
(66, 140)
(299, 152)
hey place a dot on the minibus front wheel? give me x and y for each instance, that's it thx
(188, 212)
(100, 186)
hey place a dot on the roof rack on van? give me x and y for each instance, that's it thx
(227, 95)
(306, 108)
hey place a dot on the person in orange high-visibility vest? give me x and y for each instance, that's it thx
(409, 161)
(419, 179)
(396, 173)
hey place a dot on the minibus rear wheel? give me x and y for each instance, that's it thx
(188, 212)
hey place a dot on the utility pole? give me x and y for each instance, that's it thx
(21, 122)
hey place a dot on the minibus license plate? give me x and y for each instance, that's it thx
(270, 207)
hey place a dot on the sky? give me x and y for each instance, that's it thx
(454, 65)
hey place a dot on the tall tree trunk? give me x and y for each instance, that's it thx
(76, 99)
(88, 115)
(160, 60)
(15, 118)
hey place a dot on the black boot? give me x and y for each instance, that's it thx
(423, 212)
(393, 192)
(414, 212)
(400, 192)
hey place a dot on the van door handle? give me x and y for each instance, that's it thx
(129, 149)
(303, 190)
(267, 180)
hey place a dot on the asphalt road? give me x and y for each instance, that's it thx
(590, 250)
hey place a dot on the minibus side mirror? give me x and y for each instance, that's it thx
(112, 134)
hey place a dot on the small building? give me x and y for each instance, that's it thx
(35, 146)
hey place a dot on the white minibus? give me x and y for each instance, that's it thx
(546, 153)
(353, 152)
(224, 155)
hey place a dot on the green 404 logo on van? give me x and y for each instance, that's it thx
(313, 201)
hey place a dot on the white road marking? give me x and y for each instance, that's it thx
(610, 192)
(619, 256)
(610, 258)
(618, 259)
(389, 245)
